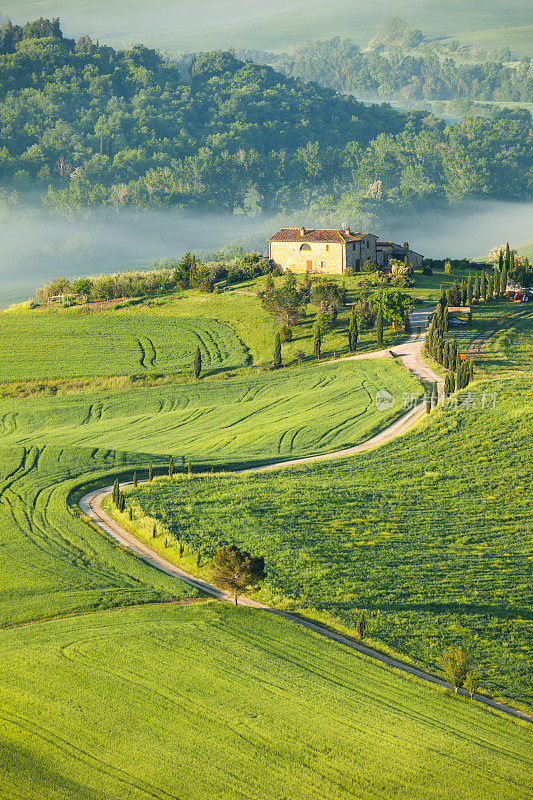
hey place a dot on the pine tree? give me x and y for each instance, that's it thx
(435, 395)
(317, 341)
(379, 328)
(171, 468)
(360, 626)
(277, 350)
(197, 367)
(150, 472)
(135, 479)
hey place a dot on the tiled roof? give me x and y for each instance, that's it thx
(330, 235)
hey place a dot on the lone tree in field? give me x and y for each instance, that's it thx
(150, 472)
(135, 482)
(116, 492)
(472, 684)
(435, 395)
(197, 368)
(277, 350)
(456, 667)
(286, 302)
(235, 570)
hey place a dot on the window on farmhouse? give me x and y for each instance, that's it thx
(327, 247)
(367, 244)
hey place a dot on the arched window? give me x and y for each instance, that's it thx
(305, 247)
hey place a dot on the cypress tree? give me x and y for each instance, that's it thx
(452, 383)
(497, 277)
(379, 328)
(352, 334)
(171, 468)
(503, 282)
(464, 292)
(189, 469)
(470, 369)
(477, 289)
(130, 512)
(360, 627)
(277, 350)
(445, 320)
(121, 502)
(135, 479)
(483, 285)
(490, 287)
(428, 402)
(154, 531)
(150, 472)
(407, 324)
(511, 264)
(197, 367)
(116, 492)
(269, 285)
(500, 260)
(453, 354)
(446, 386)
(435, 395)
(507, 259)
(317, 344)
(446, 354)
(470, 291)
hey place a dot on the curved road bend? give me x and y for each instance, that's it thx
(90, 505)
(410, 355)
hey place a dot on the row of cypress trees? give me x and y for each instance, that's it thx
(445, 351)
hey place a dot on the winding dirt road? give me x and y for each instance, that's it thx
(410, 356)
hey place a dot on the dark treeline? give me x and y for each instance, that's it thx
(124, 128)
(402, 65)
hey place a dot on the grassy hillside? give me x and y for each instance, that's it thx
(500, 339)
(429, 535)
(166, 331)
(184, 26)
(67, 344)
(53, 563)
(255, 419)
(213, 701)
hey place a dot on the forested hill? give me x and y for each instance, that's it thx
(100, 126)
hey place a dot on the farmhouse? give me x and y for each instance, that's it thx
(333, 251)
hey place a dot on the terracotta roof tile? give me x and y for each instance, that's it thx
(331, 235)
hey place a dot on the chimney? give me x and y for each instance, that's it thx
(406, 245)
(347, 230)
(302, 231)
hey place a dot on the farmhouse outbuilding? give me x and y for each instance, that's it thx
(333, 251)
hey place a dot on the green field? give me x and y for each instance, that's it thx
(500, 339)
(71, 343)
(186, 26)
(430, 535)
(526, 249)
(212, 701)
(248, 420)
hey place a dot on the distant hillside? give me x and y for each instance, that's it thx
(125, 128)
(186, 25)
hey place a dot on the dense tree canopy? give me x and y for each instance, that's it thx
(89, 125)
